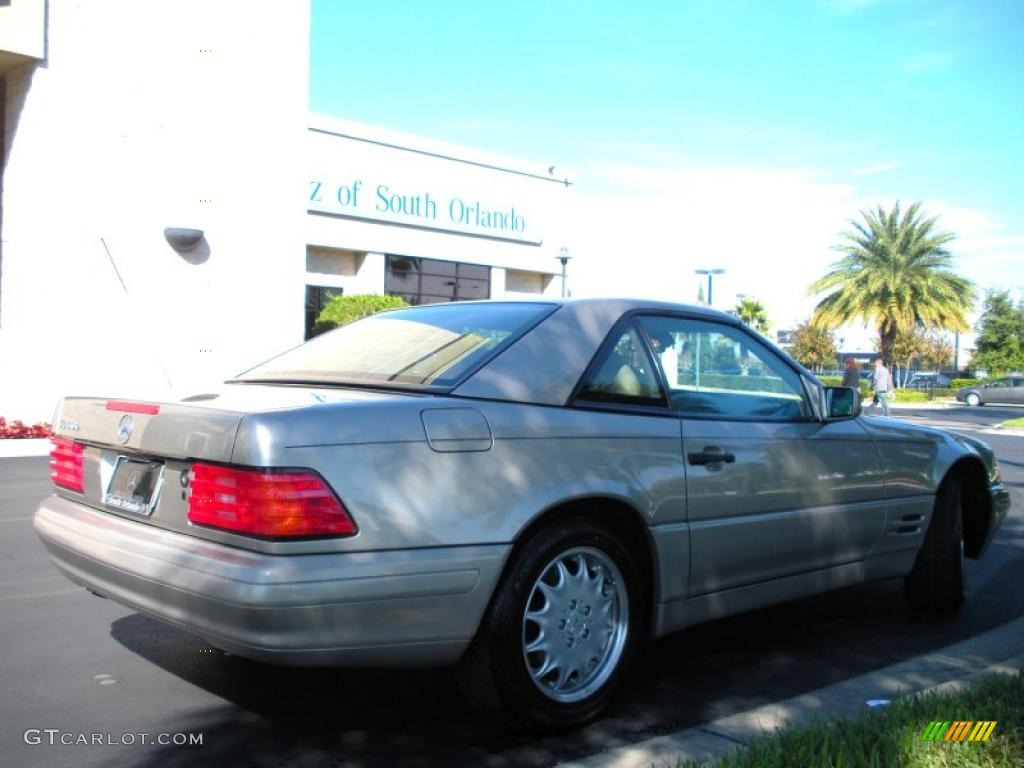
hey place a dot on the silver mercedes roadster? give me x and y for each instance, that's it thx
(526, 490)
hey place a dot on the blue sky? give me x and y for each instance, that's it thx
(785, 118)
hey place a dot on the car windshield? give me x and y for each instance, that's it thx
(430, 346)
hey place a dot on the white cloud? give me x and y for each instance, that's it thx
(644, 229)
(986, 250)
(874, 170)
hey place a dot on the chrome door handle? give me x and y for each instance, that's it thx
(698, 458)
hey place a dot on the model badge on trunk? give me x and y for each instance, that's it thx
(124, 428)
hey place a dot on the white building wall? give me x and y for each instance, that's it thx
(22, 29)
(146, 116)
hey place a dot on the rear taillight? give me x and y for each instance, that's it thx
(260, 502)
(66, 458)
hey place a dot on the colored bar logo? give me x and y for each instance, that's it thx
(959, 730)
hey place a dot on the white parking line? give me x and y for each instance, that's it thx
(37, 595)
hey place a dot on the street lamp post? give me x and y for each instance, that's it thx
(563, 256)
(709, 273)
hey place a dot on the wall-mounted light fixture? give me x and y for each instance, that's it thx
(182, 239)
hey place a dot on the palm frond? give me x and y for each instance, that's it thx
(894, 270)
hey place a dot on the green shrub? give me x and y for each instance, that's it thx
(943, 392)
(342, 310)
(956, 384)
(911, 396)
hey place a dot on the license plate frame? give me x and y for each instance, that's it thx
(134, 485)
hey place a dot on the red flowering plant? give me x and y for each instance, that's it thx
(19, 429)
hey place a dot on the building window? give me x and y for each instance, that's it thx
(317, 297)
(429, 281)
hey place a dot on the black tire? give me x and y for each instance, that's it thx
(936, 584)
(494, 674)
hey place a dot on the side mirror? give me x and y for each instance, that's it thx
(842, 402)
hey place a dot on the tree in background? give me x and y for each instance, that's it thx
(935, 350)
(814, 347)
(897, 273)
(1000, 342)
(341, 310)
(929, 347)
(752, 312)
(700, 294)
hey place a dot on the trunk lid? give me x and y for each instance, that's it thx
(138, 455)
(167, 430)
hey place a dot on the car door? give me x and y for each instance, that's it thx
(1017, 391)
(998, 391)
(772, 490)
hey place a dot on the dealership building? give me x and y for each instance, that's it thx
(171, 213)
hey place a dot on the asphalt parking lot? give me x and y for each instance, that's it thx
(83, 665)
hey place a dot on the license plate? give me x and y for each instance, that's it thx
(135, 485)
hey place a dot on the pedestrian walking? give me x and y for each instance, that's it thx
(851, 374)
(881, 384)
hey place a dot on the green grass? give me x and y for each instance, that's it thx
(1014, 423)
(911, 396)
(891, 736)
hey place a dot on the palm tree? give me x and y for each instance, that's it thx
(895, 271)
(752, 312)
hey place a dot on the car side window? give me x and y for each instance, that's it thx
(717, 371)
(623, 373)
(999, 384)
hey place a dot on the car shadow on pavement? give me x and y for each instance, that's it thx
(285, 716)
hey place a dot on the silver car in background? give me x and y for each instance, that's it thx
(526, 490)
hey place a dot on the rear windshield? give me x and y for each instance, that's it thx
(430, 346)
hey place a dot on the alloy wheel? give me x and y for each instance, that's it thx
(575, 624)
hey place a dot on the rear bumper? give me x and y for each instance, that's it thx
(402, 607)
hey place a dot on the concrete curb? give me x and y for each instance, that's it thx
(928, 405)
(948, 669)
(32, 446)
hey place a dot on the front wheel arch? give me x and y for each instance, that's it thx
(975, 506)
(617, 514)
(935, 583)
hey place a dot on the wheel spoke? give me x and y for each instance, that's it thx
(563, 575)
(546, 666)
(540, 644)
(563, 676)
